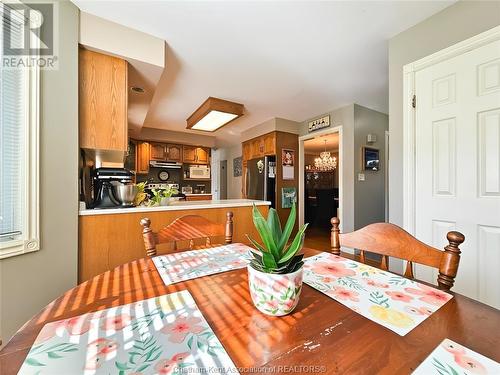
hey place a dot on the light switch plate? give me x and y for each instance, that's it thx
(361, 176)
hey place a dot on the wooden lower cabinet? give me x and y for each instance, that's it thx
(198, 197)
(110, 240)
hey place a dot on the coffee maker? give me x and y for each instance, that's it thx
(102, 182)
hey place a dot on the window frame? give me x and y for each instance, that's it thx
(29, 240)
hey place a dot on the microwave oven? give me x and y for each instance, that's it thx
(201, 172)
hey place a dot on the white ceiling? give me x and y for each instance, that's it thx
(293, 60)
(317, 144)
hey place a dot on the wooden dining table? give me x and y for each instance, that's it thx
(320, 336)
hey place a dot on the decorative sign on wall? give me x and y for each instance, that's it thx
(288, 197)
(237, 166)
(288, 163)
(319, 123)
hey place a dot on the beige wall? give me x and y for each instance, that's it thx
(274, 124)
(452, 25)
(233, 183)
(29, 282)
(113, 38)
(369, 203)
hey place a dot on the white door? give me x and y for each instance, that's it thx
(457, 160)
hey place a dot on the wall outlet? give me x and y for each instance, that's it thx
(361, 176)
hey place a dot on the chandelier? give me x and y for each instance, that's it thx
(325, 162)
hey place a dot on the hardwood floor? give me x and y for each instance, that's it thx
(317, 238)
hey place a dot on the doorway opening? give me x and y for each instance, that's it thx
(320, 184)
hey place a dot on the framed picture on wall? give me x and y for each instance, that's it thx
(371, 159)
(288, 197)
(237, 166)
(288, 163)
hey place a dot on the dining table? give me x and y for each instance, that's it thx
(319, 336)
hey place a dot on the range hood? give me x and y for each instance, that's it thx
(165, 164)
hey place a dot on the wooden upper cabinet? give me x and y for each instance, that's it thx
(142, 158)
(158, 151)
(202, 155)
(247, 151)
(270, 144)
(102, 101)
(189, 154)
(260, 146)
(174, 153)
(195, 155)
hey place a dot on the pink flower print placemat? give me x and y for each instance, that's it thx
(162, 335)
(450, 358)
(393, 301)
(197, 263)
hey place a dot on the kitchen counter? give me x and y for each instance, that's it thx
(178, 205)
(111, 237)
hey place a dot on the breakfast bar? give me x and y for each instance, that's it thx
(112, 237)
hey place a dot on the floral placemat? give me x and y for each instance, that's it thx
(450, 358)
(393, 301)
(196, 263)
(162, 335)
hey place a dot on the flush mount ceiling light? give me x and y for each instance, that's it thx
(213, 114)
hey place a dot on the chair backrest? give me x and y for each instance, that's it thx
(186, 228)
(390, 240)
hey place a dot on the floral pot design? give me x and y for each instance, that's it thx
(275, 294)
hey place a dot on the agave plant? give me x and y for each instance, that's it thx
(275, 255)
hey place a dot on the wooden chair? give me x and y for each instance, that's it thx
(187, 228)
(390, 240)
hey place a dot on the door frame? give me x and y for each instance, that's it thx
(336, 129)
(409, 114)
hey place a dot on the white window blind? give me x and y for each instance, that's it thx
(19, 129)
(13, 105)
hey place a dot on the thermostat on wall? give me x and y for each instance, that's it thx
(371, 138)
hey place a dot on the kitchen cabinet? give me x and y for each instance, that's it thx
(189, 154)
(260, 146)
(174, 153)
(202, 155)
(247, 151)
(200, 197)
(195, 155)
(142, 157)
(158, 151)
(269, 144)
(110, 240)
(102, 102)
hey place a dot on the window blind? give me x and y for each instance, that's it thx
(13, 108)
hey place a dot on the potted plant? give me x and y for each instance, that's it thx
(275, 272)
(161, 197)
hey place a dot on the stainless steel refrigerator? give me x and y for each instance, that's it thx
(260, 179)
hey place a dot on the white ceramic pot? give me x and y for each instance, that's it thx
(272, 294)
(165, 201)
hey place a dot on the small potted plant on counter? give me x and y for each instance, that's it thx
(275, 272)
(161, 197)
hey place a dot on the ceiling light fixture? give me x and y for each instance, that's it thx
(325, 162)
(213, 114)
